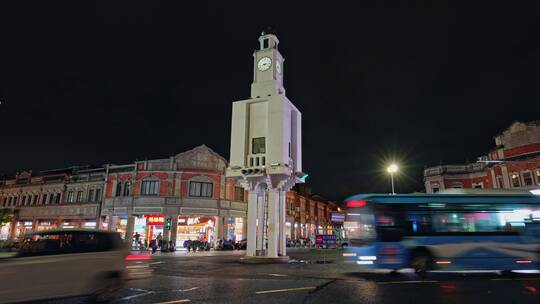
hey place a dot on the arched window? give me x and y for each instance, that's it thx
(127, 189)
(118, 188)
(515, 180)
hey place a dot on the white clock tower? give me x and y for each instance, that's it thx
(266, 152)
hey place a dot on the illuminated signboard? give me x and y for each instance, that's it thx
(338, 217)
(90, 224)
(155, 219)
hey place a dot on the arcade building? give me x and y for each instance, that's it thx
(54, 199)
(514, 163)
(186, 196)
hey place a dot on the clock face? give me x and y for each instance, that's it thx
(278, 67)
(264, 63)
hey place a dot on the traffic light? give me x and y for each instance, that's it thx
(168, 224)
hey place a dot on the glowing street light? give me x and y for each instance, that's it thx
(393, 168)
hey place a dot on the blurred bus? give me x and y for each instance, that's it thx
(444, 231)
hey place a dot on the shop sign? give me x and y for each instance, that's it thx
(44, 223)
(325, 239)
(27, 223)
(155, 219)
(193, 221)
(338, 217)
(90, 224)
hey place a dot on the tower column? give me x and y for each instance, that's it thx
(261, 223)
(273, 222)
(282, 248)
(251, 224)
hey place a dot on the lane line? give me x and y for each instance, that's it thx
(138, 289)
(406, 282)
(516, 279)
(183, 290)
(175, 301)
(136, 296)
(155, 263)
(277, 275)
(285, 290)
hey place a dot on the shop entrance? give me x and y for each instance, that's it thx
(149, 226)
(234, 228)
(195, 228)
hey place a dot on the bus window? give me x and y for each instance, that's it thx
(389, 233)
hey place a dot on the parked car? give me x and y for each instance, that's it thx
(64, 263)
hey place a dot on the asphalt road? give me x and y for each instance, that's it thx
(218, 277)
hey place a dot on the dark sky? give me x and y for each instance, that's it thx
(420, 83)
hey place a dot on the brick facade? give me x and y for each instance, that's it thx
(514, 163)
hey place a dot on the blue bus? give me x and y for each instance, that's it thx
(444, 231)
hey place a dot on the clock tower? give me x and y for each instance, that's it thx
(267, 68)
(266, 151)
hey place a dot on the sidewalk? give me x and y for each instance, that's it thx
(185, 253)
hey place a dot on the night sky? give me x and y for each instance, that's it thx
(420, 83)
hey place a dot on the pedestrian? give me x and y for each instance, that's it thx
(187, 244)
(159, 239)
(153, 245)
(137, 238)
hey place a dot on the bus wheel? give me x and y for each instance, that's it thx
(421, 262)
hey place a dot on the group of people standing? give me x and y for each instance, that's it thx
(154, 244)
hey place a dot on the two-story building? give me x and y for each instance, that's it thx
(308, 215)
(61, 198)
(514, 163)
(186, 196)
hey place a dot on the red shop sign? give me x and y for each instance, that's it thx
(155, 219)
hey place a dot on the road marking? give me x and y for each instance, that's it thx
(138, 289)
(517, 279)
(277, 275)
(285, 290)
(175, 301)
(407, 282)
(189, 289)
(155, 263)
(136, 296)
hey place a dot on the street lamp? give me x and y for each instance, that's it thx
(393, 168)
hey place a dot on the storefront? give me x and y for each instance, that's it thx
(119, 224)
(67, 224)
(235, 227)
(195, 228)
(46, 225)
(288, 231)
(4, 231)
(22, 227)
(149, 226)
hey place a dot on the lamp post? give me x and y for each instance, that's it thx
(393, 168)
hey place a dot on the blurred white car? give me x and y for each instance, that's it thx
(64, 263)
